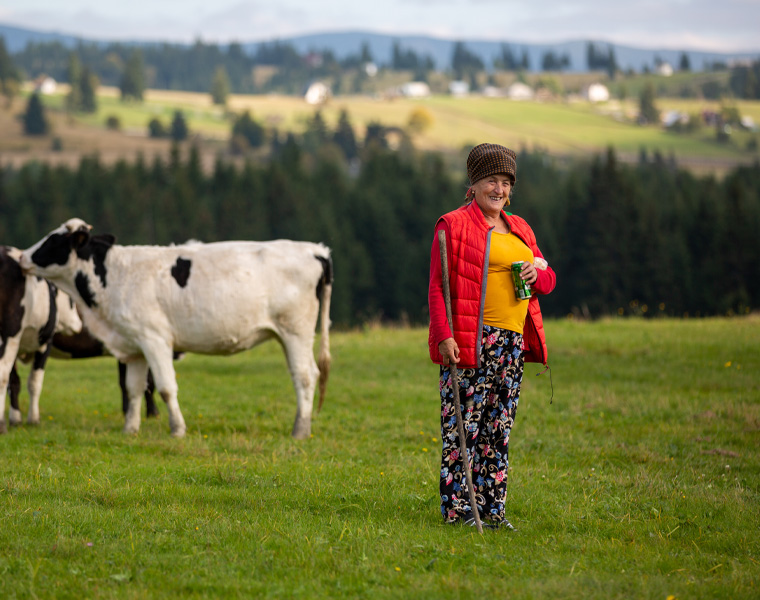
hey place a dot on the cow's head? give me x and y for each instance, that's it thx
(47, 257)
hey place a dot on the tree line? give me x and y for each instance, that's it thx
(279, 67)
(647, 239)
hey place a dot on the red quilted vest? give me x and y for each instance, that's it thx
(468, 237)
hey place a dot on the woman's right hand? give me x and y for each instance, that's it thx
(449, 350)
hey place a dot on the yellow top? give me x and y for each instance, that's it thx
(503, 309)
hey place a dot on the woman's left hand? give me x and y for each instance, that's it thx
(529, 273)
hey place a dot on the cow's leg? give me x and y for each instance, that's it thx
(151, 410)
(8, 352)
(14, 388)
(160, 359)
(34, 384)
(299, 350)
(137, 371)
(123, 386)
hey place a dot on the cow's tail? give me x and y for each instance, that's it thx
(324, 291)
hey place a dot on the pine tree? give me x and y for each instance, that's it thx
(88, 84)
(179, 129)
(9, 77)
(220, 87)
(685, 63)
(507, 60)
(648, 112)
(344, 136)
(133, 79)
(35, 122)
(74, 97)
(316, 132)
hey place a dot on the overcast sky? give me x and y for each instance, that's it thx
(725, 25)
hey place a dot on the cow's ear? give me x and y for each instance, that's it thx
(79, 238)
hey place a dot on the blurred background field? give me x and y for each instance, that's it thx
(562, 129)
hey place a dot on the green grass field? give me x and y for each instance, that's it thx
(640, 480)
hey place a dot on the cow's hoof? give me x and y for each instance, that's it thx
(301, 431)
(178, 433)
(14, 417)
(131, 429)
(3, 427)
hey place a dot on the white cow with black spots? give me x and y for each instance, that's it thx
(145, 302)
(31, 311)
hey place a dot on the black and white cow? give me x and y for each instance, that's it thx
(145, 302)
(31, 311)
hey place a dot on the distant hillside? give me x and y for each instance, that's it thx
(343, 44)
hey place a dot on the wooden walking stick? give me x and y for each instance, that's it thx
(455, 383)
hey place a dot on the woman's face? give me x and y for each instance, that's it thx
(492, 193)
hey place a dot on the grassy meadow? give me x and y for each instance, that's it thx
(641, 479)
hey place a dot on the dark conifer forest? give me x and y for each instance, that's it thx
(648, 239)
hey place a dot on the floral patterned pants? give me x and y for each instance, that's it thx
(488, 397)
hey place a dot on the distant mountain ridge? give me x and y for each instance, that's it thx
(345, 43)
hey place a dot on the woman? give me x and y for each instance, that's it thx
(494, 332)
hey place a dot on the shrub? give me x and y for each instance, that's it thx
(156, 129)
(420, 120)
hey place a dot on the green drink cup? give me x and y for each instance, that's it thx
(522, 288)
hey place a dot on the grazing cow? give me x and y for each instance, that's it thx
(144, 302)
(31, 311)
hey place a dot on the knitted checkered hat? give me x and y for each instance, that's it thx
(490, 159)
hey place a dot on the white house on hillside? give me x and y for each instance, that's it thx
(459, 88)
(415, 89)
(596, 92)
(317, 93)
(491, 91)
(45, 85)
(665, 69)
(520, 91)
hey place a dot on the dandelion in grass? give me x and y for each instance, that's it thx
(398, 569)
(424, 449)
(728, 364)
